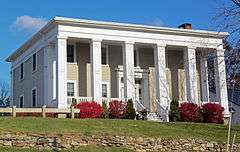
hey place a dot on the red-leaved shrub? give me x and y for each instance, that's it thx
(89, 109)
(189, 112)
(117, 109)
(212, 113)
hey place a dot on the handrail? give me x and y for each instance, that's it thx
(162, 111)
(139, 106)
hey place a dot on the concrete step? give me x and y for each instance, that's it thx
(154, 117)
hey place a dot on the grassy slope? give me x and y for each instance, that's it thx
(118, 127)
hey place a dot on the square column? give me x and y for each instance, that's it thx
(96, 70)
(204, 79)
(220, 80)
(162, 93)
(191, 74)
(61, 72)
(128, 71)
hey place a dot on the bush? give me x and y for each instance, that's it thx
(105, 110)
(142, 115)
(131, 113)
(189, 112)
(89, 109)
(174, 111)
(212, 113)
(117, 109)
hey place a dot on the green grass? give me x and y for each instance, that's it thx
(82, 149)
(132, 128)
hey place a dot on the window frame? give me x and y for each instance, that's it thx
(74, 88)
(35, 88)
(33, 70)
(21, 96)
(74, 53)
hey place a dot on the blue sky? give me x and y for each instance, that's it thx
(22, 18)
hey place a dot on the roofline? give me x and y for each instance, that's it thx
(115, 25)
(140, 27)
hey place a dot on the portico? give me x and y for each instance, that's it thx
(103, 61)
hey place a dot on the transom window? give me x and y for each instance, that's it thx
(104, 91)
(70, 53)
(34, 97)
(70, 89)
(34, 62)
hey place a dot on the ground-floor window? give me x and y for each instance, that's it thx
(70, 89)
(21, 101)
(104, 90)
(34, 97)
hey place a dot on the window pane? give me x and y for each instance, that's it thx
(70, 89)
(135, 58)
(21, 102)
(104, 90)
(21, 71)
(34, 97)
(104, 56)
(70, 53)
(34, 64)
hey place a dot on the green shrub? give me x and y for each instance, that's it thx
(105, 113)
(174, 111)
(131, 113)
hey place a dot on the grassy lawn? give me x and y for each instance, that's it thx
(118, 127)
(83, 149)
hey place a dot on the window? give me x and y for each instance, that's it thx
(104, 55)
(104, 90)
(34, 62)
(21, 101)
(70, 89)
(135, 58)
(21, 71)
(34, 97)
(70, 53)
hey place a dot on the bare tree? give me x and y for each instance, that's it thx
(228, 19)
(4, 94)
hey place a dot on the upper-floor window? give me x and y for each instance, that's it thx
(34, 97)
(70, 89)
(34, 62)
(70, 53)
(21, 71)
(104, 54)
(21, 101)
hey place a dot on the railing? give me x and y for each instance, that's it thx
(42, 110)
(163, 112)
(139, 106)
(77, 100)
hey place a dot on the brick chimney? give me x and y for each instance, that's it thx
(185, 26)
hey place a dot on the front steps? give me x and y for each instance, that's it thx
(154, 117)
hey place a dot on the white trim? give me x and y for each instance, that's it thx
(34, 88)
(74, 87)
(22, 95)
(33, 71)
(54, 83)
